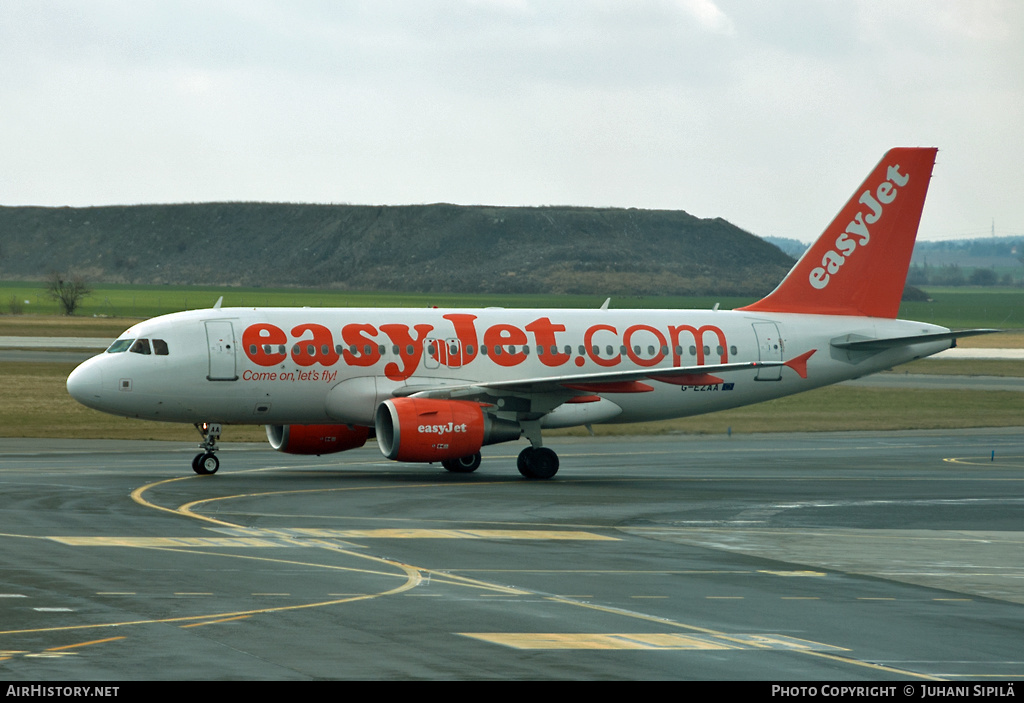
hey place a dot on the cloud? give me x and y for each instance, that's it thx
(763, 113)
(708, 15)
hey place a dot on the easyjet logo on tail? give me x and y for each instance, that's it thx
(857, 233)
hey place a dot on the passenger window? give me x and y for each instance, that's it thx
(160, 347)
(141, 346)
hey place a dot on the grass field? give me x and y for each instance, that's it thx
(962, 307)
(145, 302)
(951, 307)
(37, 405)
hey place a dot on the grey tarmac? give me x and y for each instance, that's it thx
(852, 556)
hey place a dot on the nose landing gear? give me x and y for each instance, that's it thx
(206, 461)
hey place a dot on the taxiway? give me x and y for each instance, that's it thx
(813, 556)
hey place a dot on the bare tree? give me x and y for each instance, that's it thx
(67, 290)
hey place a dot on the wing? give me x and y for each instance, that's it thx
(558, 389)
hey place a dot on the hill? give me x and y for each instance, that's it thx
(428, 248)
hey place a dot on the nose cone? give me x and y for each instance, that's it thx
(85, 384)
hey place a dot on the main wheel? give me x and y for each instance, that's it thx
(205, 464)
(539, 462)
(463, 465)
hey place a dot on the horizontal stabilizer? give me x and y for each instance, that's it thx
(857, 343)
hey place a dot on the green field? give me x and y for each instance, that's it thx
(36, 404)
(951, 307)
(962, 307)
(144, 302)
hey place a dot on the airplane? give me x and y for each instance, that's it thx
(436, 385)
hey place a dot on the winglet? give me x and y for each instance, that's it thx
(799, 364)
(859, 264)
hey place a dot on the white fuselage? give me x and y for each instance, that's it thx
(335, 365)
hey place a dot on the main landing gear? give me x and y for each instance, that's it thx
(537, 462)
(533, 462)
(463, 465)
(206, 462)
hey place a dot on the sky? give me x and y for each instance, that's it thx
(767, 114)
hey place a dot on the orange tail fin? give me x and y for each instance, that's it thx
(859, 264)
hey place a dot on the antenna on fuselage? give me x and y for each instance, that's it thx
(604, 305)
(216, 306)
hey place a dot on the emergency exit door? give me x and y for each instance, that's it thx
(769, 348)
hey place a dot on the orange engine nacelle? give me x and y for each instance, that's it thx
(422, 429)
(316, 439)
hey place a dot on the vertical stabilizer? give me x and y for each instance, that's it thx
(859, 264)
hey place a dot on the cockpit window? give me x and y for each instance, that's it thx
(141, 346)
(160, 347)
(119, 346)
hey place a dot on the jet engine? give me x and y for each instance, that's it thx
(316, 439)
(423, 429)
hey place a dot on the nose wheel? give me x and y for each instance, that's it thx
(206, 462)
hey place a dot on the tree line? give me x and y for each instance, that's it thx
(955, 275)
